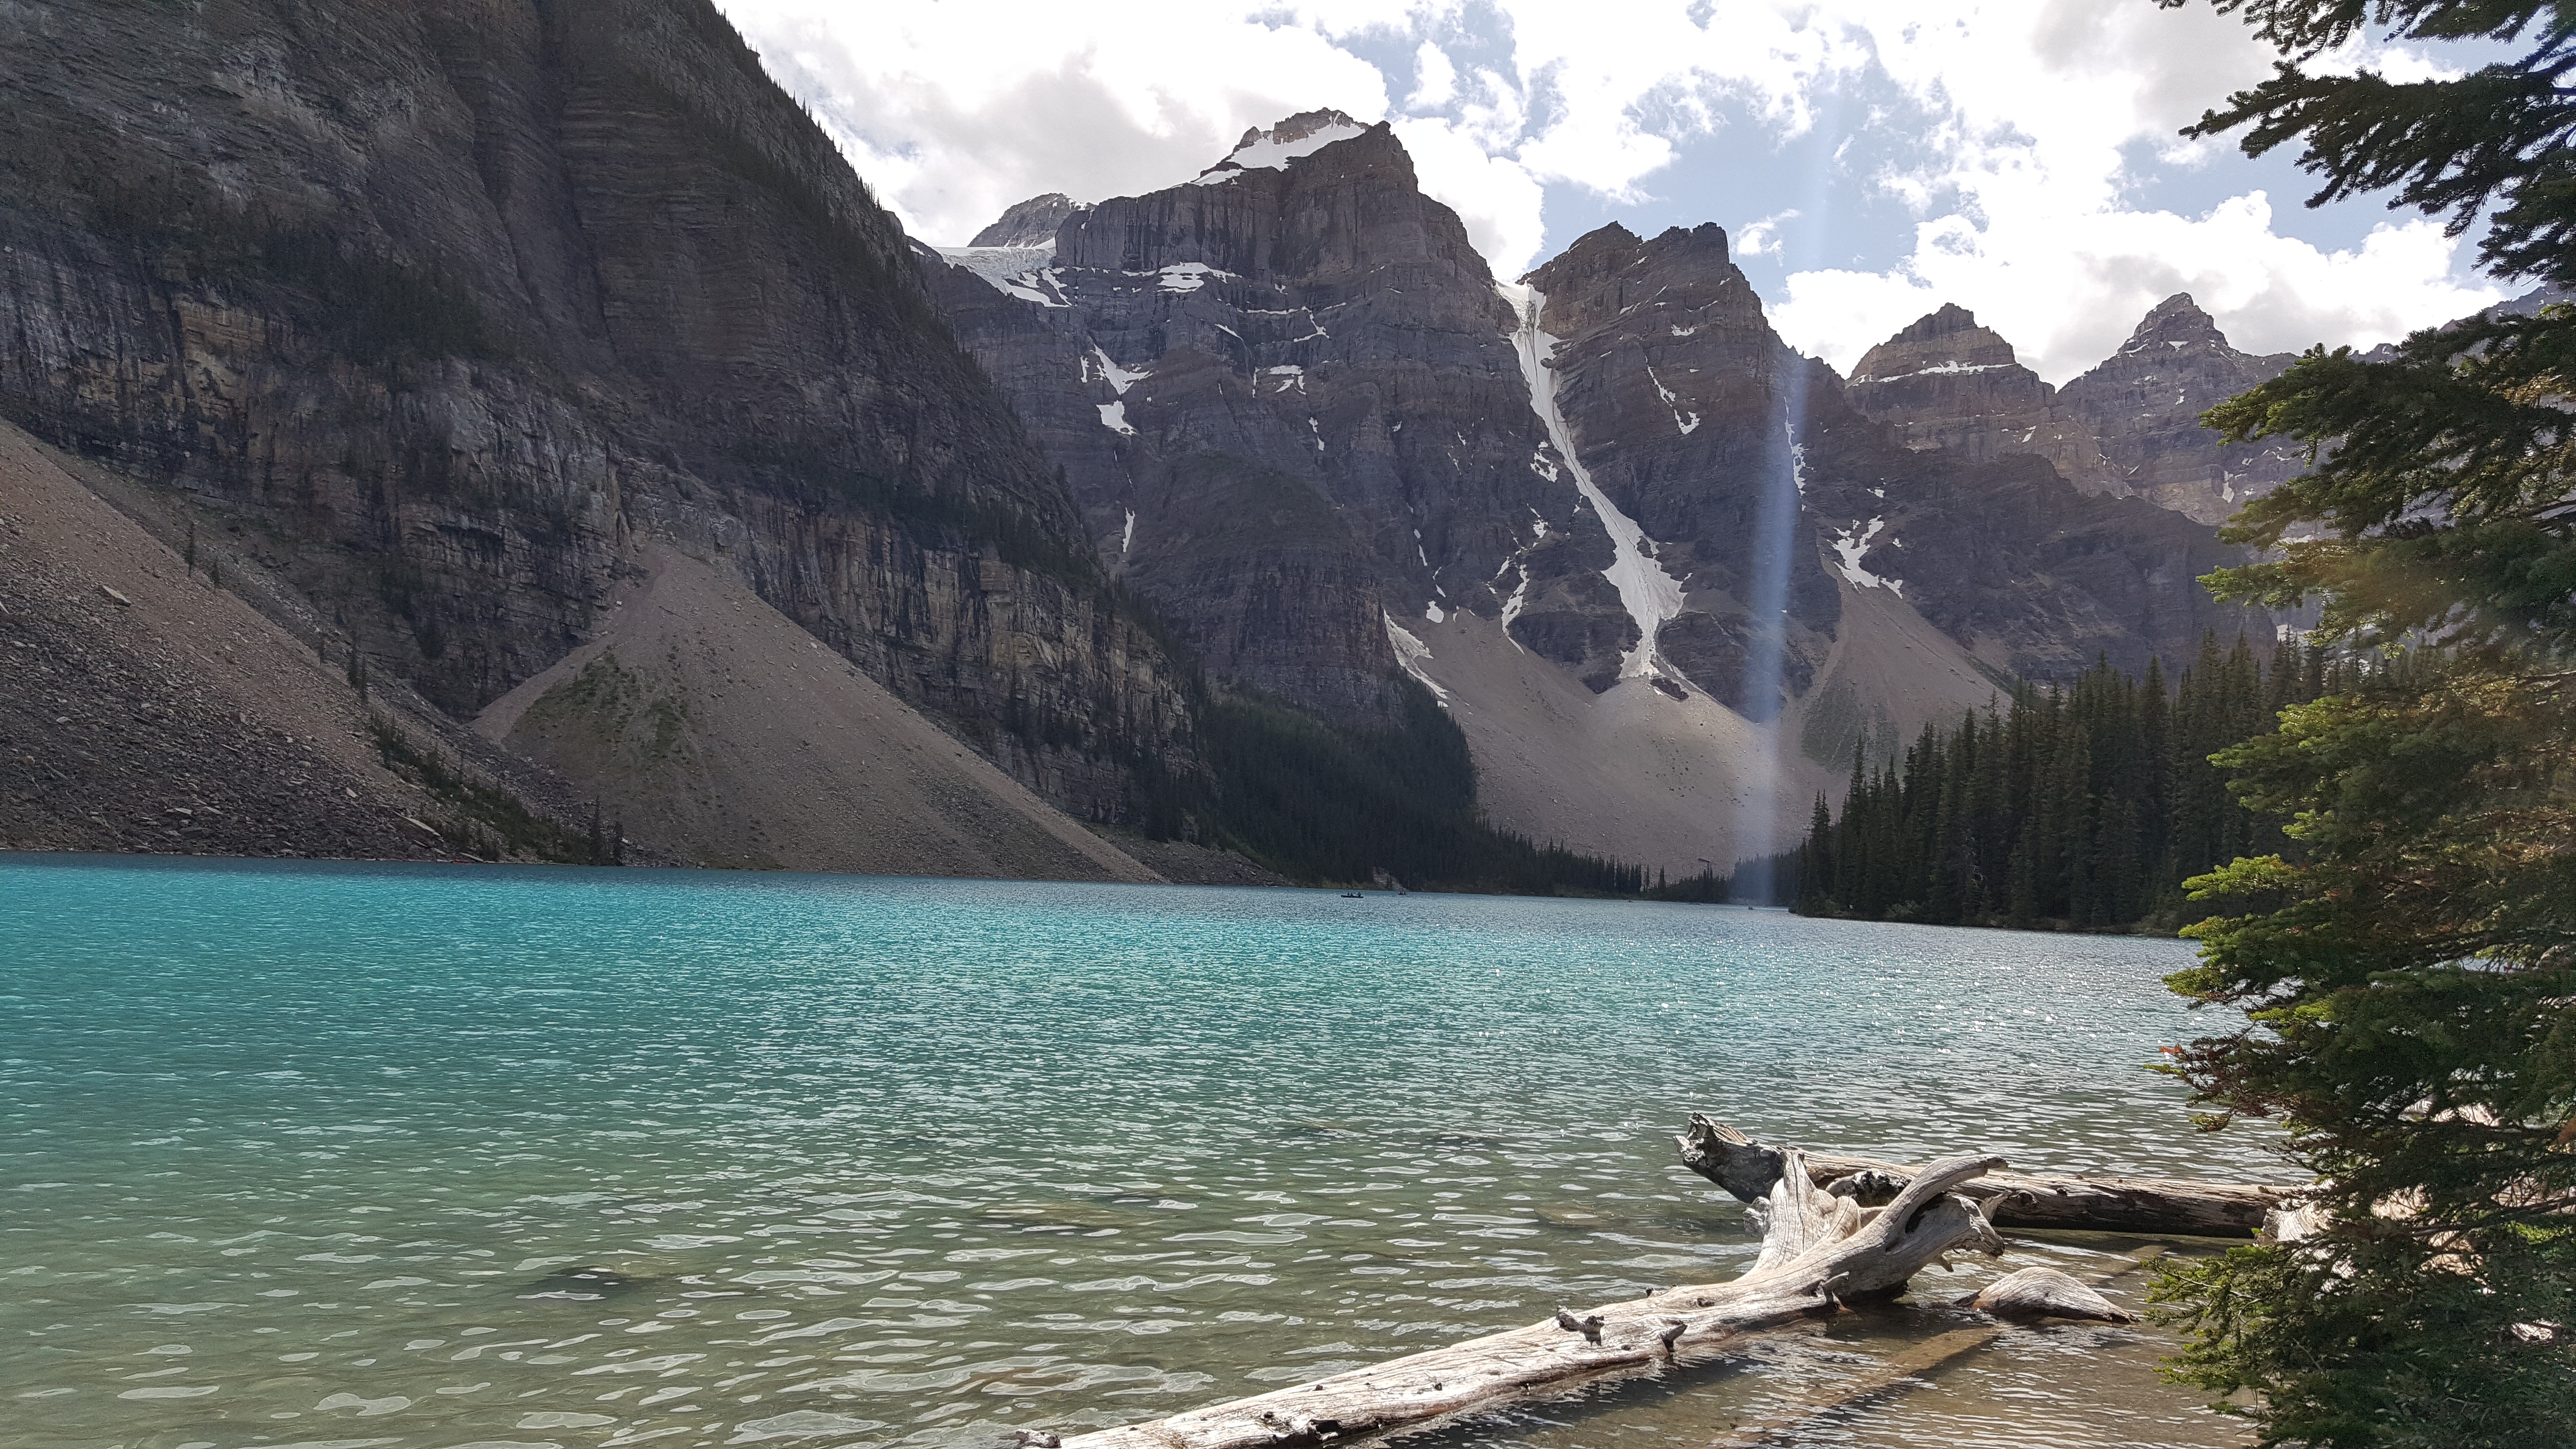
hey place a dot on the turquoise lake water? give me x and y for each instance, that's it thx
(361, 1156)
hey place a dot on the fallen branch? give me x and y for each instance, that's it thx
(1818, 1250)
(2154, 1205)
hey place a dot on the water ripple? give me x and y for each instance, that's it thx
(376, 1155)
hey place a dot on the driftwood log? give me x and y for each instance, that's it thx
(1817, 1249)
(2156, 1206)
(1834, 1229)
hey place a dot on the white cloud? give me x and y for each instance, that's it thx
(1762, 238)
(2023, 133)
(2039, 102)
(1438, 82)
(1496, 196)
(952, 112)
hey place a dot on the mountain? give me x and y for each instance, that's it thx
(444, 312)
(1031, 223)
(1633, 539)
(1286, 398)
(1756, 486)
(2128, 427)
(547, 366)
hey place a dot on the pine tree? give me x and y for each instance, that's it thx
(2405, 966)
(2088, 804)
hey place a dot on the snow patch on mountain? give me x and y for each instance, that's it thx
(1410, 652)
(1020, 272)
(1273, 149)
(1519, 600)
(1651, 595)
(1853, 544)
(1687, 425)
(1189, 276)
(1947, 369)
(1119, 378)
(1113, 416)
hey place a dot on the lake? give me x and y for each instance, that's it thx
(358, 1156)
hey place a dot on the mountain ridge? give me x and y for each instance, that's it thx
(1612, 465)
(498, 305)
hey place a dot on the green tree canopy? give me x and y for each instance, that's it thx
(2406, 966)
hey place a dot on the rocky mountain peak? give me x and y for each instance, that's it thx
(1030, 223)
(1947, 340)
(1286, 395)
(2172, 325)
(1945, 320)
(1335, 200)
(1945, 382)
(2130, 425)
(1300, 135)
(1610, 270)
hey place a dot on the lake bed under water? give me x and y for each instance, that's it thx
(362, 1156)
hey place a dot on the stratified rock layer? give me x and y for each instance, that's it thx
(455, 300)
(2130, 426)
(1305, 311)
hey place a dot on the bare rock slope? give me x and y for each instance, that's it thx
(145, 709)
(722, 734)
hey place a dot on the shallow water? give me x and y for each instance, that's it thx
(424, 1156)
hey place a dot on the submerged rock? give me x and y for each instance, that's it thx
(2045, 1293)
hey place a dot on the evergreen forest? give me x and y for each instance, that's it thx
(1327, 806)
(2085, 806)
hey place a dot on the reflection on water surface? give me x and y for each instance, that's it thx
(361, 1157)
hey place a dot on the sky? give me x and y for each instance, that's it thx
(1869, 159)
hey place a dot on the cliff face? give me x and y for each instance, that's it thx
(448, 304)
(2144, 404)
(1304, 310)
(1685, 411)
(1756, 481)
(1946, 382)
(2130, 426)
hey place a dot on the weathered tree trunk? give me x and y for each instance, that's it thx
(1817, 1249)
(2160, 1206)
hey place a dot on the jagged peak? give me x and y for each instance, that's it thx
(1272, 148)
(1030, 223)
(1945, 340)
(1297, 128)
(1945, 320)
(1707, 234)
(1623, 248)
(2175, 323)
